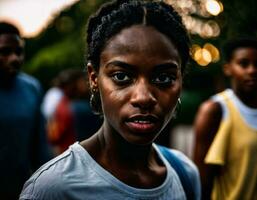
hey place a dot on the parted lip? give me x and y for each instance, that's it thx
(143, 118)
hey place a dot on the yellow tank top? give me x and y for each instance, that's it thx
(234, 148)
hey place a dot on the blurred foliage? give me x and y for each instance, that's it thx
(62, 46)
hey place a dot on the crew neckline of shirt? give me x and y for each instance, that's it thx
(241, 105)
(119, 185)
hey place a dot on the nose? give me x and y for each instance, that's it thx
(252, 69)
(142, 95)
(15, 59)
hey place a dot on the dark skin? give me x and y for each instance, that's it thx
(139, 83)
(11, 57)
(242, 70)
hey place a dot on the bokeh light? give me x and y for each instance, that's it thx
(215, 54)
(197, 16)
(206, 55)
(214, 7)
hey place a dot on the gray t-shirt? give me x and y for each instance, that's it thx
(75, 175)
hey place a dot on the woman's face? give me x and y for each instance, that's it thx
(139, 81)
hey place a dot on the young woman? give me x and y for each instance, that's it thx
(137, 53)
(226, 129)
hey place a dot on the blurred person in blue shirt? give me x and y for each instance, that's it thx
(23, 146)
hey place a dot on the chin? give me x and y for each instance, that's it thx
(142, 140)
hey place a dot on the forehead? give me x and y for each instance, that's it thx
(245, 52)
(142, 40)
(10, 40)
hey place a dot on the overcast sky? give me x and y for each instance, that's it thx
(31, 15)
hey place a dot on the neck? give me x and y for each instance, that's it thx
(109, 147)
(248, 98)
(6, 82)
(135, 165)
(124, 151)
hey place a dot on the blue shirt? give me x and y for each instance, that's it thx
(22, 138)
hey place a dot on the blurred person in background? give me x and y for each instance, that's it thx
(23, 146)
(52, 97)
(226, 129)
(73, 119)
(85, 120)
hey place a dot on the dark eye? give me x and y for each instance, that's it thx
(243, 63)
(121, 77)
(5, 51)
(19, 51)
(164, 79)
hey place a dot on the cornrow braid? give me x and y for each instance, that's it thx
(95, 19)
(114, 16)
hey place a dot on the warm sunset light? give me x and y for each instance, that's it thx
(32, 16)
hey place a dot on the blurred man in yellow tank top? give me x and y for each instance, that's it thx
(226, 129)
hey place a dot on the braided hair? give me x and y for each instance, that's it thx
(114, 16)
(117, 15)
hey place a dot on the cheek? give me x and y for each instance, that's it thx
(21, 58)
(168, 102)
(169, 99)
(111, 98)
(237, 73)
(4, 64)
(2, 60)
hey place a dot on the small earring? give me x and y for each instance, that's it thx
(177, 109)
(93, 90)
(179, 103)
(92, 96)
(95, 101)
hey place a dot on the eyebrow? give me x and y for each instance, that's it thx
(120, 64)
(163, 66)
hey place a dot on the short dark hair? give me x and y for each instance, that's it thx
(231, 45)
(114, 16)
(67, 77)
(7, 28)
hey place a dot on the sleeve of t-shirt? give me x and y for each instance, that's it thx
(43, 185)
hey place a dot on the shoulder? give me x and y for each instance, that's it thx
(210, 108)
(186, 169)
(192, 173)
(181, 157)
(207, 120)
(30, 82)
(190, 167)
(50, 180)
(29, 79)
(53, 93)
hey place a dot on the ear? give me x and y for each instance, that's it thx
(92, 76)
(226, 69)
